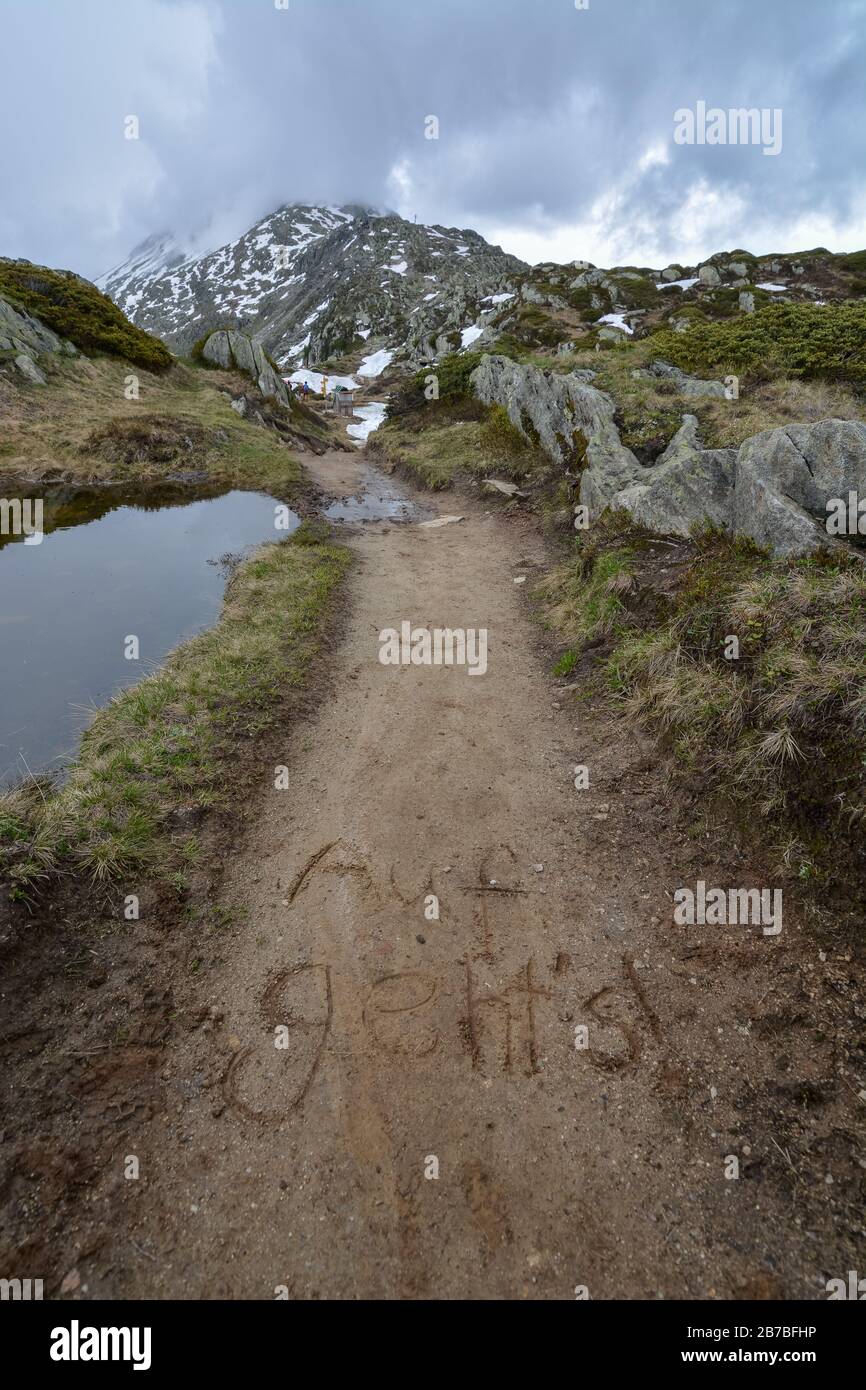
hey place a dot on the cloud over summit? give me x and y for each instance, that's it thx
(555, 124)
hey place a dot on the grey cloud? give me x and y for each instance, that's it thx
(543, 111)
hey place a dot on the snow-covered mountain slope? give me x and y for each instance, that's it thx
(317, 282)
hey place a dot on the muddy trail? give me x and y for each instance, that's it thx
(537, 1093)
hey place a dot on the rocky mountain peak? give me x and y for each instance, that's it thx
(317, 282)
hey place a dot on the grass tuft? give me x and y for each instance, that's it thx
(165, 749)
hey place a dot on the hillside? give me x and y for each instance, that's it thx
(317, 285)
(314, 283)
(86, 397)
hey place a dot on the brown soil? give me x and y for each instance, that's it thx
(410, 1040)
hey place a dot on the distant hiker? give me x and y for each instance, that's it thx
(306, 390)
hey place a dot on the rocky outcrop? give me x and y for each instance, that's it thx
(29, 370)
(571, 420)
(20, 331)
(611, 467)
(773, 490)
(546, 406)
(237, 350)
(686, 385)
(27, 337)
(688, 484)
(785, 478)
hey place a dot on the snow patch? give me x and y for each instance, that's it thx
(616, 321)
(314, 381)
(319, 309)
(372, 416)
(375, 364)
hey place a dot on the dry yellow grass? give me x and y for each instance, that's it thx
(47, 429)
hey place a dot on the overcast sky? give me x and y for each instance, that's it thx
(556, 124)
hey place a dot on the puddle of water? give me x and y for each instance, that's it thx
(111, 564)
(377, 499)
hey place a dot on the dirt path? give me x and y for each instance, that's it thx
(414, 1044)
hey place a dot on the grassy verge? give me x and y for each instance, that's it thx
(780, 730)
(165, 749)
(82, 428)
(436, 450)
(454, 436)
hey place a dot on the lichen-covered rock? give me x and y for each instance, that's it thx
(552, 406)
(611, 467)
(29, 370)
(785, 477)
(569, 417)
(217, 350)
(688, 485)
(708, 275)
(686, 385)
(21, 332)
(231, 349)
(774, 490)
(531, 294)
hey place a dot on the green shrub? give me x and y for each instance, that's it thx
(581, 300)
(500, 436)
(536, 327)
(637, 294)
(802, 340)
(77, 310)
(453, 372)
(854, 260)
(508, 346)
